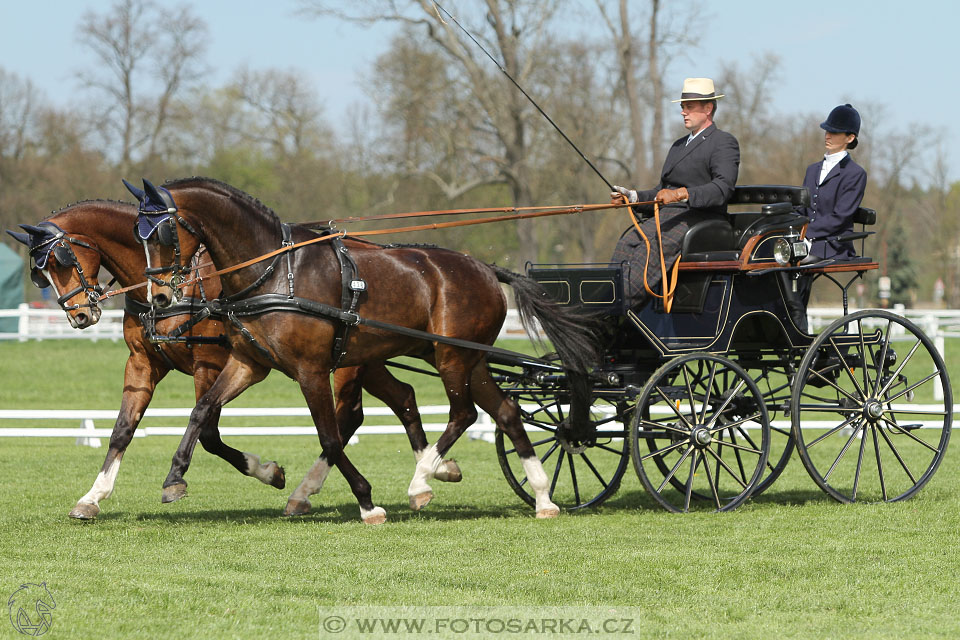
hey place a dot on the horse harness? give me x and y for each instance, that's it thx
(59, 245)
(236, 307)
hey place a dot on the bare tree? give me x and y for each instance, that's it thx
(285, 114)
(148, 57)
(643, 56)
(17, 113)
(513, 31)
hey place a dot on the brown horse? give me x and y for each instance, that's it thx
(274, 324)
(99, 232)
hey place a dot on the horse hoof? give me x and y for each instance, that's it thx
(377, 516)
(448, 471)
(421, 500)
(549, 512)
(173, 493)
(297, 508)
(85, 511)
(279, 479)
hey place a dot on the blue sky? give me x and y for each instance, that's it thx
(891, 54)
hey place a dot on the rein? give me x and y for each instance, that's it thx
(526, 212)
(668, 285)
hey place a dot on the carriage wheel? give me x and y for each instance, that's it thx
(701, 431)
(583, 473)
(776, 385)
(866, 417)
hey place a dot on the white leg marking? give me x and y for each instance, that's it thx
(540, 485)
(377, 515)
(426, 469)
(262, 472)
(313, 481)
(103, 486)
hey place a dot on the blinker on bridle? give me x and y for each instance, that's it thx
(59, 245)
(157, 214)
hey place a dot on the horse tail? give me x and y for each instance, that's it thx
(571, 330)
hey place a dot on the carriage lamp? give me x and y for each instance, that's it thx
(789, 249)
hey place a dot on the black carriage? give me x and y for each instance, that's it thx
(710, 400)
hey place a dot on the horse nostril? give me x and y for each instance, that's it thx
(162, 300)
(82, 319)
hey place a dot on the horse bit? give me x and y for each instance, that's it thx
(59, 245)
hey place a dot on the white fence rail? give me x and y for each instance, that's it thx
(88, 433)
(51, 324)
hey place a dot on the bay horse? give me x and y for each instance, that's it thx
(438, 291)
(69, 247)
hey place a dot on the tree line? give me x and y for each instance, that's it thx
(444, 128)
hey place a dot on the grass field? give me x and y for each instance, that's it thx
(222, 563)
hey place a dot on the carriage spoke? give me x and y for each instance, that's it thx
(896, 374)
(883, 355)
(846, 367)
(607, 448)
(914, 387)
(876, 450)
(740, 447)
(668, 427)
(893, 425)
(673, 408)
(843, 451)
(673, 470)
(693, 468)
(712, 482)
(833, 431)
(896, 454)
(864, 350)
(720, 462)
(686, 383)
(856, 475)
(583, 456)
(556, 473)
(730, 397)
(660, 452)
(832, 384)
(573, 478)
(708, 390)
(735, 423)
(533, 444)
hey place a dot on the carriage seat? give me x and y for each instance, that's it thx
(716, 240)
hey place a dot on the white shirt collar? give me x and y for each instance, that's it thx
(694, 135)
(830, 160)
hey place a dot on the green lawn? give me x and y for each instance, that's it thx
(222, 563)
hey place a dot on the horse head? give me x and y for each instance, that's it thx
(168, 243)
(70, 264)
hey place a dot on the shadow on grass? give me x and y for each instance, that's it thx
(625, 501)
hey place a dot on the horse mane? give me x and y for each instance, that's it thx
(229, 189)
(67, 208)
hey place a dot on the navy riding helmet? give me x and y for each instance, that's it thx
(843, 119)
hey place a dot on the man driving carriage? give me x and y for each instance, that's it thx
(697, 180)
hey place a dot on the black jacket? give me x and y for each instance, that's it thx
(832, 205)
(707, 167)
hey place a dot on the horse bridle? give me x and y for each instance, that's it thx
(167, 236)
(59, 246)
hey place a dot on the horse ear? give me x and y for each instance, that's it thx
(34, 231)
(152, 192)
(20, 237)
(137, 193)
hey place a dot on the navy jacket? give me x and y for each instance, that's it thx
(707, 167)
(832, 205)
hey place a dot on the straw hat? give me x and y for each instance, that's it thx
(698, 89)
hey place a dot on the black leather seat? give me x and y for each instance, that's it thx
(718, 240)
